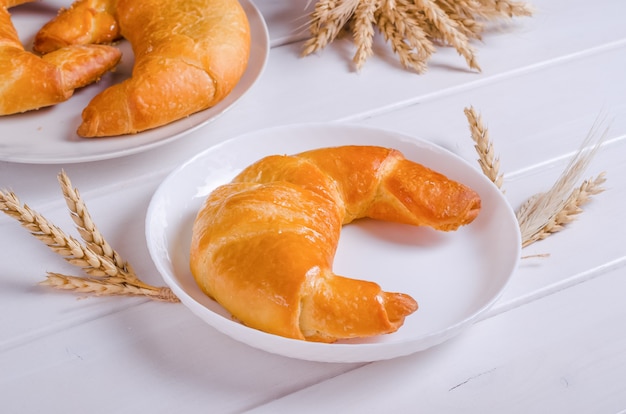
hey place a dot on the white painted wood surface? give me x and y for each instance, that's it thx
(555, 342)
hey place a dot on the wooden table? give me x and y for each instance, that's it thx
(554, 342)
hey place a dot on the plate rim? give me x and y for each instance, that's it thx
(368, 350)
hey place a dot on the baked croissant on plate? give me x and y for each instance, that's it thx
(85, 22)
(189, 54)
(263, 245)
(29, 81)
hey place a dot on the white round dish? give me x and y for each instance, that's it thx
(455, 276)
(48, 135)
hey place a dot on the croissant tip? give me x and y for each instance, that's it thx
(474, 209)
(87, 129)
(398, 306)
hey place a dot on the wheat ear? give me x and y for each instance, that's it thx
(568, 212)
(364, 31)
(327, 20)
(107, 273)
(110, 287)
(448, 30)
(55, 238)
(546, 213)
(488, 162)
(410, 26)
(87, 228)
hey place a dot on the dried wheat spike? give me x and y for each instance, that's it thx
(363, 30)
(328, 19)
(108, 274)
(107, 287)
(57, 240)
(410, 26)
(87, 228)
(489, 164)
(546, 213)
(571, 208)
(447, 30)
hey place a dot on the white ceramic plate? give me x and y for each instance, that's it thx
(48, 136)
(455, 276)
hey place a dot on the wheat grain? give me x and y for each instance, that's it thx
(84, 223)
(547, 212)
(53, 237)
(451, 22)
(498, 8)
(328, 19)
(448, 30)
(489, 164)
(90, 233)
(412, 27)
(406, 36)
(364, 31)
(109, 275)
(570, 209)
(108, 287)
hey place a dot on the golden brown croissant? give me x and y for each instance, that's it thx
(263, 245)
(189, 54)
(85, 22)
(31, 82)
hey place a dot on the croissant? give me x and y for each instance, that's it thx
(31, 82)
(263, 245)
(85, 22)
(189, 54)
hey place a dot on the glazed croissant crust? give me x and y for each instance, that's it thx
(189, 55)
(263, 245)
(29, 81)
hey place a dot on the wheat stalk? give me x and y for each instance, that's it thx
(489, 164)
(410, 26)
(57, 240)
(466, 14)
(107, 273)
(568, 212)
(88, 230)
(364, 18)
(328, 19)
(110, 287)
(84, 223)
(546, 213)
(500, 8)
(405, 34)
(447, 30)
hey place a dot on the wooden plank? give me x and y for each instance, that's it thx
(155, 357)
(563, 353)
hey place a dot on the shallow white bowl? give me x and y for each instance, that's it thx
(454, 276)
